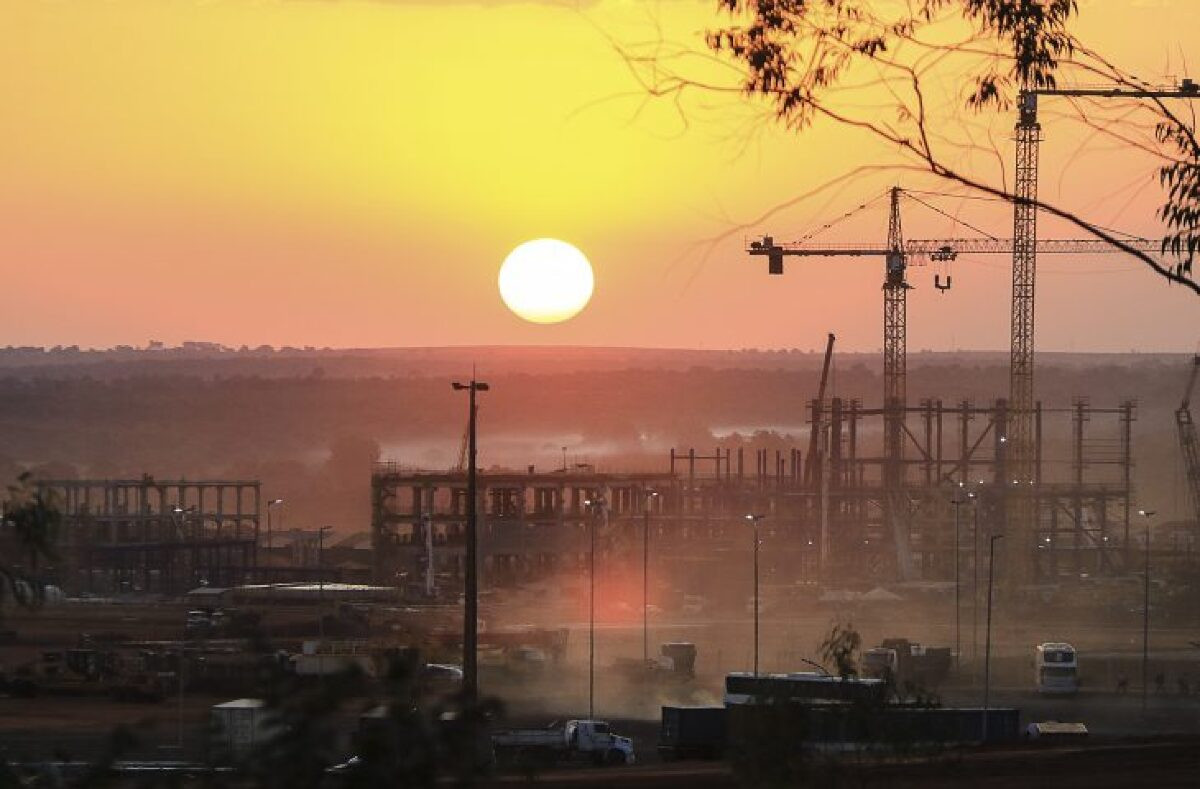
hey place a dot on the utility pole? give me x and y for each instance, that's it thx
(651, 495)
(592, 619)
(593, 506)
(471, 592)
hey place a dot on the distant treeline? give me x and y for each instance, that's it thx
(313, 432)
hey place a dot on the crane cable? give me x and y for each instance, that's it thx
(981, 198)
(952, 218)
(847, 215)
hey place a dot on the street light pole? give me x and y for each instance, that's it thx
(975, 593)
(321, 599)
(593, 506)
(650, 496)
(987, 654)
(270, 504)
(754, 519)
(957, 502)
(1147, 514)
(471, 592)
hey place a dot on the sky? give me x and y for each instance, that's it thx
(351, 174)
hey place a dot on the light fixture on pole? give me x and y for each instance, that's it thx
(270, 504)
(593, 506)
(321, 599)
(957, 501)
(987, 652)
(651, 495)
(1147, 514)
(754, 519)
(975, 587)
(471, 578)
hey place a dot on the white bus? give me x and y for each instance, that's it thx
(1057, 669)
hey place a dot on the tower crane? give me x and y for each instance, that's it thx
(816, 438)
(1025, 249)
(1020, 458)
(896, 253)
(1187, 439)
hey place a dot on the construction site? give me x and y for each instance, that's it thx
(829, 503)
(155, 536)
(866, 551)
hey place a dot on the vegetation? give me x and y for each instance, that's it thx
(30, 529)
(833, 60)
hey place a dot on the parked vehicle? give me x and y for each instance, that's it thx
(692, 732)
(578, 739)
(907, 663)
(881, 663)
(1056, 669)
(441, 679)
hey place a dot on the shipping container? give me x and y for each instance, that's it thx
(692, 732)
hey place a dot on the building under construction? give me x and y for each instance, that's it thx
(842, 507)
(149, 535)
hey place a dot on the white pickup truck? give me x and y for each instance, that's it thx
(579, 739)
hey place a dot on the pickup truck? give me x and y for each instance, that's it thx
(578, 739)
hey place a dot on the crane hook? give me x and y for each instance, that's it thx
(937, 282)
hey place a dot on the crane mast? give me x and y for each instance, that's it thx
(1188, 442)
(896, 253)
(1018, 459)
(895, 346)
(816, 438)
(1018, 462)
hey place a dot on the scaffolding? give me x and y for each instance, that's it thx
(857, 513)
(149, 535)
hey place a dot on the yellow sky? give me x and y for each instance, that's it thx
(353, 173)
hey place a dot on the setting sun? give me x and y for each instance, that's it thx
(546, 281)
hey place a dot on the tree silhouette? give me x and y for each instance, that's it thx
(31, 522)
(883, 68)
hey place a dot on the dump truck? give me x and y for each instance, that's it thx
(578, 740)
(692, 733)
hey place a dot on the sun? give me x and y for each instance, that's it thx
(546, 281)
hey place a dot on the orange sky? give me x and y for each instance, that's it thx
(353, 173)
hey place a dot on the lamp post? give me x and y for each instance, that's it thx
(651, 495)
(270, 504)
(594, 506)
(1147, 514)
(987, 654)
(471, 592)
(321, 599)
(957, 502)
(975, 587)
(754, 519)
(182, 527)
